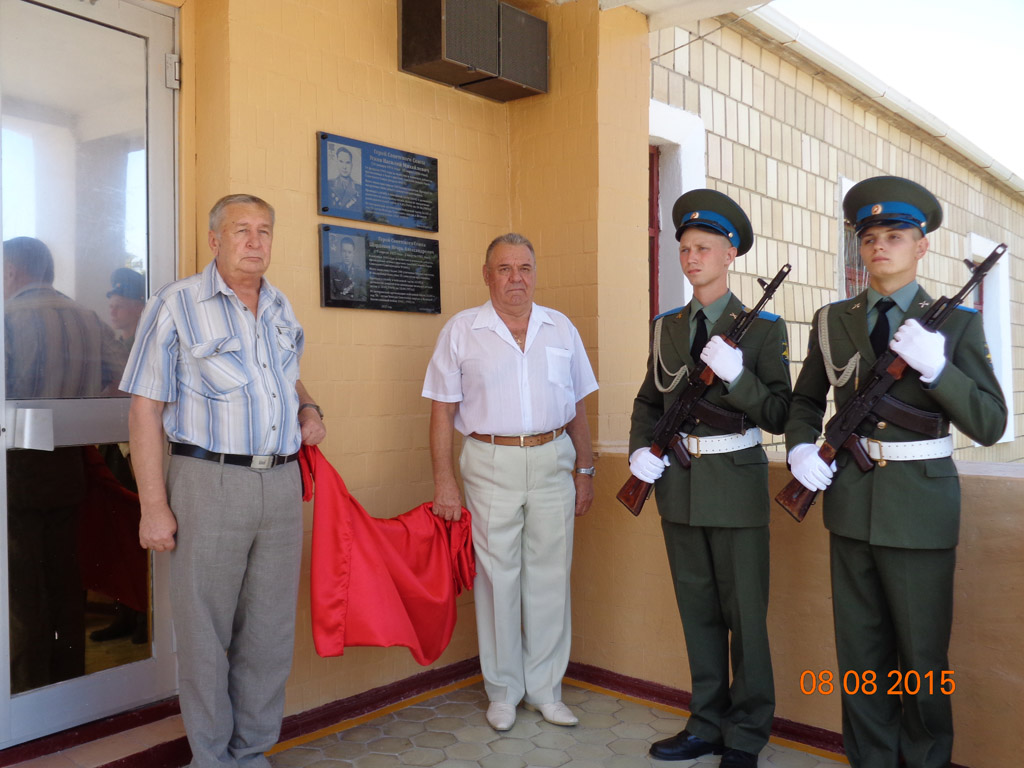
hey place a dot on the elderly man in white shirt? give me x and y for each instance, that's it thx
(511, 376)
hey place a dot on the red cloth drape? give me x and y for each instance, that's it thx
(381, 582)
(110, 558)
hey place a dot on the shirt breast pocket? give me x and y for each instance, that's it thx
(220, 367)
(560, 367)
(288, 344)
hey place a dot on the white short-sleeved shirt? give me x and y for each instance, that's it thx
(501, 389)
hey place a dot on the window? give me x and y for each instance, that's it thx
(653, 225)
(993, 300)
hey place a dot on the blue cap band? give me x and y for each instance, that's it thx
(892, 211)
(713, 221)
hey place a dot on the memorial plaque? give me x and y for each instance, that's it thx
(370, 182)
(378, 270)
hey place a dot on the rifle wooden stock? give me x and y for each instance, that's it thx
(634, 492)
(796, 498)
(887, 370)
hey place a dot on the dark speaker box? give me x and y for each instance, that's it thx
(450, 41)
(523, 67)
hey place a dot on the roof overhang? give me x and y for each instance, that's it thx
(670, 13)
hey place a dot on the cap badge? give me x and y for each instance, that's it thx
(876, 209)
(695, 215)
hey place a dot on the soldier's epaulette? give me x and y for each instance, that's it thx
(768, 316)
(967, 309)
(670, 312)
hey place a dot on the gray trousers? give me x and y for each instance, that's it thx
(234, 585)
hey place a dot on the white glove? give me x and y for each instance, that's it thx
(923, 350)
(807, 467)
(646, 466)
(722, 358)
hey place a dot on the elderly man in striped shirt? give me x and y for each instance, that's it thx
(215, 367)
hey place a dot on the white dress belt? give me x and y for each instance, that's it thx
(696, 446)
(912, 450)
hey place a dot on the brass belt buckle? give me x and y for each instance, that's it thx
(262, 462)
(695, 453)
(881, 453)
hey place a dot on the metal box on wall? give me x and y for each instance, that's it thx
(523, 58)
(450, 41)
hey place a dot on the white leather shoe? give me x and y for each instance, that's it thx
(501, 716)
(555, 713)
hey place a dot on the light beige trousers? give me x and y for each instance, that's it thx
(522, 500)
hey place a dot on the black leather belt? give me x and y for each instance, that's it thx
(253, 462)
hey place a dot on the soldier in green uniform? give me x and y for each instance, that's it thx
(894, 528)
(715, 514)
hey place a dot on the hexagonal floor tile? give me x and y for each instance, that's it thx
(450, 731)
(421, 756)
(502, 761)
(433, 739)
(546, 758)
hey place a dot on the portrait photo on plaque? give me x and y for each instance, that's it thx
(362, 269)
(370, 182)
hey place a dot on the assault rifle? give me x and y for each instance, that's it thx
(840, 432)
(666, 432)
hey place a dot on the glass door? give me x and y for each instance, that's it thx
(87, 200)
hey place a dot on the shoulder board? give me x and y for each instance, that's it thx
(967, 309)
(767, 316)
(670, 312)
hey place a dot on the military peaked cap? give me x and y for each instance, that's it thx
(128, 283)
(718, 213)
(892, 201)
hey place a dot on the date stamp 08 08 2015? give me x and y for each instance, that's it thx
(910, 682)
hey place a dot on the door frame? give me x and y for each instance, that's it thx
(63, 705)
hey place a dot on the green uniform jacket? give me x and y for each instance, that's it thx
(729, 490)
(910, 504)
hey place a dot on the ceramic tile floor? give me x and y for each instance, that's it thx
(448, 730)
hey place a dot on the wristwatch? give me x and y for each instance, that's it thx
(314, 406)
(585, 471)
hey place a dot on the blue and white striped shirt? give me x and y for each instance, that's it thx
(228, 378)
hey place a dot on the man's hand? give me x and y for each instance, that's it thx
(157, 528)
(646, 466)
(584, 493)
(808, 467)
(923, 350)
(447, 501)
(723, 358)
(311, 426)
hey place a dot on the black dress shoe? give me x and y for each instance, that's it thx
(737, 758)
(683, 746)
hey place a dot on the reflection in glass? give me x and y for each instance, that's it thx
(75, 255)
(79, 592)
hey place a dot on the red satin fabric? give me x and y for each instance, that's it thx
(109, 556)
(381, 582)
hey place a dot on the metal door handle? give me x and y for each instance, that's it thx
(33, 428)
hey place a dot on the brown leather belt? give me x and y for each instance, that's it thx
(523, 441)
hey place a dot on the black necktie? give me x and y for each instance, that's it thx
(880, 333)
(700, 337)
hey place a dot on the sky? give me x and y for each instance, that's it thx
(961, 61)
